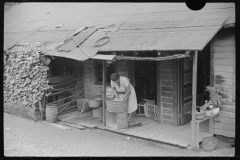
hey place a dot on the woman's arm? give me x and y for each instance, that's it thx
(115, 93)
(127, 94)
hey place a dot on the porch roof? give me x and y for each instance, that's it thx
(129, 26)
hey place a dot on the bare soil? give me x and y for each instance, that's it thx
(23, 137)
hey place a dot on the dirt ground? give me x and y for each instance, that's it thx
(23, 137)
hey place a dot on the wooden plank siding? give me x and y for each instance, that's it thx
(224, 50)
(185, 90)
(167, 92)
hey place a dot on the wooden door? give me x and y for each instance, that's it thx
(185, 90)
(168, 92)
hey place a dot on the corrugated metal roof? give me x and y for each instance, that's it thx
(143, 26)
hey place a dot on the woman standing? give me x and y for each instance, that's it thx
(123, 90)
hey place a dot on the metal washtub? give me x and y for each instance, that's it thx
(116, 106)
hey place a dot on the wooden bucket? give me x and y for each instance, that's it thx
(116, 106)
(51, 113)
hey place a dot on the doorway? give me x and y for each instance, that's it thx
(145, 73)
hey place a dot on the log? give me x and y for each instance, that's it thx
(176, 56)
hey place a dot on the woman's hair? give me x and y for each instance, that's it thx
(114, 76)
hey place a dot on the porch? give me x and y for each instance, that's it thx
(139, 126)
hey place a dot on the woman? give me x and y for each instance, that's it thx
(123, 90)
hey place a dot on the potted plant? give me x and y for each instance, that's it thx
(200, 114)
(207, 107)
(216, 97)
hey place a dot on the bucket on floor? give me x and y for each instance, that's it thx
(51, 113)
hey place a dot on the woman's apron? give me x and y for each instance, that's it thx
(132, 99)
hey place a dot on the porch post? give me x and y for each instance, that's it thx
(104, 92)
(194, 92)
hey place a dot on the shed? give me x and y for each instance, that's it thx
(180, 51)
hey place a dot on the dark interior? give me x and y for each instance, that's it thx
(146, 80)
(203, 75)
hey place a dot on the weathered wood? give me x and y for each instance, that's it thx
(135, 130)
(166, 66)
(72, 125)
(166, 71)
(166, 83)
(229, 102)
(75, 114)
(206, 118)
(228, 95)
(167, 110)
(228, 121)
(187, 107)
(167, 105)
(187, 78)
(228, 108)
(23, 111)
(122, 120)
(167, 116)
(225, 41)
(224, 48)
(227, 82)
(224, 127)
(194, 93)
(223, 55)
(211, 126)
(60, 79)
(63, 91)
(234, 75)
(167, 94)
(224, 62)
(223, 75)
(41, 109)
(176, 56)
(228, 115)
(104, 92)
(220, 68)
(165, 136)
(166, 76)
(158, 93)
(224, 133)
(187, 92)
(165, 99)
(59, 84)
(167, 88)
(69, 109)
(153, 130)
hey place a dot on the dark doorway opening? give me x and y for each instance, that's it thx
(203, 75)
(145, 73)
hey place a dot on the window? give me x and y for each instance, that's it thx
(110, 68)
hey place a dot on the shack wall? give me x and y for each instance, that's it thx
(94, 90)
(223, 55)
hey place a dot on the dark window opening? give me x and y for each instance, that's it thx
(110, 68)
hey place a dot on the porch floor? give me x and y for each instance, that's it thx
(139, 127)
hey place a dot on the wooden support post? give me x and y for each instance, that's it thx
(194, 92)
(104, 92)
(210, 121)
(43, 101)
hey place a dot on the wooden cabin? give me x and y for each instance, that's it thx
(169, 53)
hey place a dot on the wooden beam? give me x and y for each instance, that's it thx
(194, 92)
(104, 92)
(212, 50)
(176, 56)
(158, 93)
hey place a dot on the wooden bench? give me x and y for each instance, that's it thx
(210, 127)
